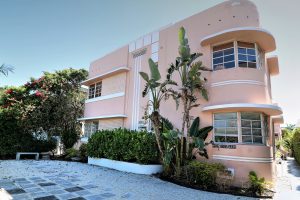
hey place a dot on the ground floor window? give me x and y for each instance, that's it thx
(90, 128)
(239, 127)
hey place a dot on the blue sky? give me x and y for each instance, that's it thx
(39, 36)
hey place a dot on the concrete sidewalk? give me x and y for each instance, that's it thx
(288, 180)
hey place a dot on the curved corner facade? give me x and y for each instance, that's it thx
(240, 103)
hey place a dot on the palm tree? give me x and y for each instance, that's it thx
(5, 69)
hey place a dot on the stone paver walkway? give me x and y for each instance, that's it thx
(288, 180)
(51, 180)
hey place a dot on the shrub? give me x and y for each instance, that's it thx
(257, 185)
(71, 152)
(69, 137)
(123, 145)
(202, 174)
(296, 144)
(83, 152)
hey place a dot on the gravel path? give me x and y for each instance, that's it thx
(64, 180)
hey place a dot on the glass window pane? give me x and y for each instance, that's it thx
(219, 123)
(250, 115)
(246, 131)
(218, 66)
(228, 51)
(229, 65)
(246, 123)
(229, 58)
(232, 131)
(232, 139)
(218, 54)
(251, 51)
(242, 57)
(256, 131)
(251, 65)
(225, 116)
(257, 140)
(242, 64)
(219, 138)
(256, 124)
(247, 139)
(231, 123)
(219, 130)
(242, 50)
(251, 58)
(218, 60)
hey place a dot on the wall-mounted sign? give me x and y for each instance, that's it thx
(224, 146)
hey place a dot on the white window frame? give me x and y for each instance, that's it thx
(89, 125)
(94, 93)
(239, 127)
(235, 46)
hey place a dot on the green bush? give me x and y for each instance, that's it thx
(69, 137)
(296, 144)
(123, 145)
(71, 152)
(257, 185)
(83, 151)
(202, 174)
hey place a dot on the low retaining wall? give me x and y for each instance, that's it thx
(126, 166)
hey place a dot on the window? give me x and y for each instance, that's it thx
(225, 125)
(246, 55)
(223, 56)
(95, 90)
(242, 54)
(251, 127)
(229, 126)
(90, 128)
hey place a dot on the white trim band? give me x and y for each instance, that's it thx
(109, 96)
(232, 82)
(243, 159)
(103, 117)
(119, 69)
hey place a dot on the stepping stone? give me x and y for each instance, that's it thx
(19, 179)
(74, 189)
(52, 197)
(16, 191)
(90, 186)
(46, 184)
(77, 198)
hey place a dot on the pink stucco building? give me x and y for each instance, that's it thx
(240, 105)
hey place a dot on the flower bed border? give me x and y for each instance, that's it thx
(126, 166)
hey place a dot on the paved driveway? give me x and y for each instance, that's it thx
(71, 180)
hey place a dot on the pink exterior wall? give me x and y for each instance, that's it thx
(257, 89)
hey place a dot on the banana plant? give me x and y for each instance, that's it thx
(4, 69)
(199, 135)
(159, 91)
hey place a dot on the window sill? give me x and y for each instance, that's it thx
(248, 144)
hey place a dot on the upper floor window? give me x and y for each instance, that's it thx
(229, 127)
(223, 56)
(95, 90)
(246, 55)
(232, 54)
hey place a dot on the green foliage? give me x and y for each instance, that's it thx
(286, 141)
(71, 153)
(198, 137)
(83, 151)
(202, 174)
(296, 144)
(5, 69)
(123, 145)
(257, 185)
(69, 137)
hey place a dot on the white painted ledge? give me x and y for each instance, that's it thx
(110, 96)
(103, 117)
(126, 166)
(243, 159)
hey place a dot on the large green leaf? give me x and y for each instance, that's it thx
(195, 127)
(145, 76)
(203, 132)
(181, 35)
(155, 75)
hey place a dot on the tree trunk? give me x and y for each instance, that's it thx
(156, 122)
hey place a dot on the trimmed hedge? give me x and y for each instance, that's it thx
(296, 144)
(123, 145)
(202, 174)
